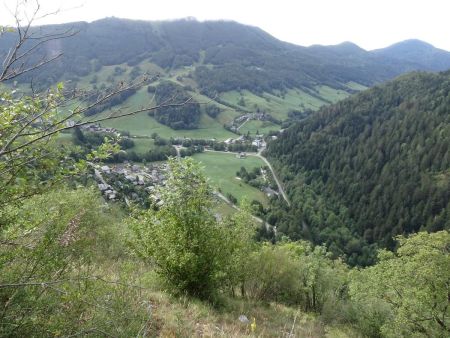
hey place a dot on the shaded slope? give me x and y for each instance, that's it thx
(226, 48)
(420, 53)
(370, 167)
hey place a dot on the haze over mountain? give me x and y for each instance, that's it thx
(253, 59)
(419, 53)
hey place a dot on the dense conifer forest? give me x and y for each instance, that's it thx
(184, 116)
(370, 167)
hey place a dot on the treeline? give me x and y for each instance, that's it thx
(242, 57)
(91, 140)
(184, 112)
(158, 153)
(238, 146)
(369, 168)
(109, 103)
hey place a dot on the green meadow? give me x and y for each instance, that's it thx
(221, 169)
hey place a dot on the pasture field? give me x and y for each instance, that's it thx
(142, 145)
(254, 126)
(331, 94)
(355, 86)
(221, 169)
(144, 125)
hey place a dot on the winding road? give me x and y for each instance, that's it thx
(280, 187)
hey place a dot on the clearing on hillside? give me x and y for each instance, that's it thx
(221, 168)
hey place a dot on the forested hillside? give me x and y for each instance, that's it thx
(418, 52)
(98, 242)
(237, 69)
(259, 61)
(370, 167)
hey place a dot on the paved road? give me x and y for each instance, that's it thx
(280, 187)
(258, 154)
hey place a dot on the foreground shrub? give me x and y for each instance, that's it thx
(296, 273)
(51, 283)
(410, 286)
(190, 248)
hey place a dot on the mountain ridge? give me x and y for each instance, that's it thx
(179, 43)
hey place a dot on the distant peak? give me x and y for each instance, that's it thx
(346, 46)
(411, 43)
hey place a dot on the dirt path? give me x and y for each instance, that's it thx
(242, 124)
(226, 200)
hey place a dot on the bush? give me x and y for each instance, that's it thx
(410, 286)
(295, 273)
(182, 237)
(273, 275)
(50, 250)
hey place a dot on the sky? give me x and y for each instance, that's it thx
(370, 24)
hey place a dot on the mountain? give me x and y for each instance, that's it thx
(259, 61)
(424, 55)
(368, 168)
(238, 69)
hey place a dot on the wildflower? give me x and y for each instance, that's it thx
(253, 325)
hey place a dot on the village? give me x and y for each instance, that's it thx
(127, 181)
(133, 182)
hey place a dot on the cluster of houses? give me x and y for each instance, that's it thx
(259, 142)
(94, 128)
(148, 177)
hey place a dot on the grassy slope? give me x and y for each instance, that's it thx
(355, 86)
(142, 145)
(144, 125)
(186, 317)
(331, 94)
(221, 169)
(278, 105)
(253, 126)
(274, 103)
